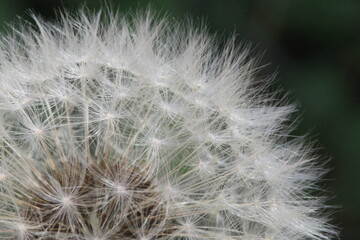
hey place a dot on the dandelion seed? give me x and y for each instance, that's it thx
(2, 176)
(116, 128)
(66, 201)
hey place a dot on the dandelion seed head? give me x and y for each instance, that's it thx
(141, 128)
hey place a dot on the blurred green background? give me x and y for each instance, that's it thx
(315, 47)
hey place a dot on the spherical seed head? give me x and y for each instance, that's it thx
(142, 129)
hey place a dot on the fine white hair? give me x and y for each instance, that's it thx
(141, 128)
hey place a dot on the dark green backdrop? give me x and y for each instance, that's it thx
(315, 47)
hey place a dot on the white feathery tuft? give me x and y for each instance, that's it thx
(113, 128)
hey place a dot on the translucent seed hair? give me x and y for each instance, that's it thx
(115, 127)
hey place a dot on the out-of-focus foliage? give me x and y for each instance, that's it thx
(315, 46)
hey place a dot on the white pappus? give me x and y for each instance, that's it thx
(118, 128)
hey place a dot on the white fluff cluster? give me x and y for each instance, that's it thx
(142, 129)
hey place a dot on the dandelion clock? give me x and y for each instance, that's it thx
(141, 128)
